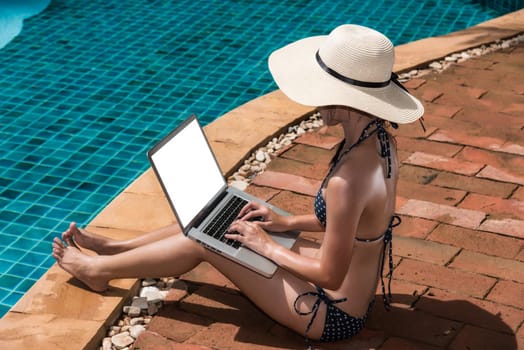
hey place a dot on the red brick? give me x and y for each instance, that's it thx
(418, 175)
(191, 347)
(500, 100)
(511, 147)
(492, 173)
(293, 203)
(496, 207)
(507, 227)
(474, 184)
(477, 241)
(430, 193)
(177, 325)
(399, 202)
(432, 275)
(413, 325)
(518, 194)
(489, 265)
(514, 108)
(290, 182)
(153, 341)
(442, 213)
(458, 137)
(403, 155)
(206, 273)
(419, 249)
(223, 305)
(444, 123)
(520, 256)
(510, 162)
(229, 336)
(470, 310)
(293, 167)
(405, 344)
(476, 64)
(447, 111)
(422, 145)
(335, 130)
(414, 130)
(365, 339)
(264, 193)
(309, 154)
(508, 293)
(430, 94)
(479, 338)
(489, 120)
(283, 150)
(444, 163)
(414, 227)
(177, 292)
(404, 293)
(414, 83)
(455, 95)
(319, 140)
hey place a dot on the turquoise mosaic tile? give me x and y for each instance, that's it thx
(89, 86)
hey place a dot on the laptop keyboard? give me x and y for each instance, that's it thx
(217, 227)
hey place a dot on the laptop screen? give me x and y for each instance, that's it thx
(188, 170)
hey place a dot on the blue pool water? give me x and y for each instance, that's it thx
(88, 86)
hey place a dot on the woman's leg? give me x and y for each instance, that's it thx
(105, 246)
(176, 255)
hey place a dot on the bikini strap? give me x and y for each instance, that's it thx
(388, 245)
(321, 297)
(385, 147)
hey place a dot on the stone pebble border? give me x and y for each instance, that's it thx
(137, 315)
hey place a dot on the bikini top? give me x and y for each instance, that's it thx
(320, 204)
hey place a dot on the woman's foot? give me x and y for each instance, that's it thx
(77, 237)
(81, 266)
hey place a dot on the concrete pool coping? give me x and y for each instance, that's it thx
(57, 312)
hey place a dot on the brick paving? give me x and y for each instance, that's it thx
(459, 253)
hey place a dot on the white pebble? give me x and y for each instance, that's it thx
(241, 185)
(133, 311)
(136, 320)
(122, 340)
(106, 343)
(148, 282)
(260, 156)
(136, 330)
(435, 65)
(152, 294)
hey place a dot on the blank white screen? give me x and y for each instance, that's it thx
(189, 172)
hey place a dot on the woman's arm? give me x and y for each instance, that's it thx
(307, 222)
(329, 268)
(272, 221)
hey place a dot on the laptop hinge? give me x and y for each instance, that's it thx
(204, 213)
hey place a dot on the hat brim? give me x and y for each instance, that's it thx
(297, 73)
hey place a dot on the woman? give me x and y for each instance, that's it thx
(321, 291)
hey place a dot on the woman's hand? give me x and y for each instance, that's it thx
(264, 217)
(251, 235)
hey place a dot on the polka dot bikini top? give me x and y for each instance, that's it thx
(320, 204)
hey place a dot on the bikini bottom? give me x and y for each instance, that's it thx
(338, 325)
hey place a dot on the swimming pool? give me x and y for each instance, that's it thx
(89, 86)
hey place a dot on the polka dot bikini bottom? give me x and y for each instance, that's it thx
(338, 324)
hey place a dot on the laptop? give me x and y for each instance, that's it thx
(202, 202)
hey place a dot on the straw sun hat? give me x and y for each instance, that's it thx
(352, 66)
